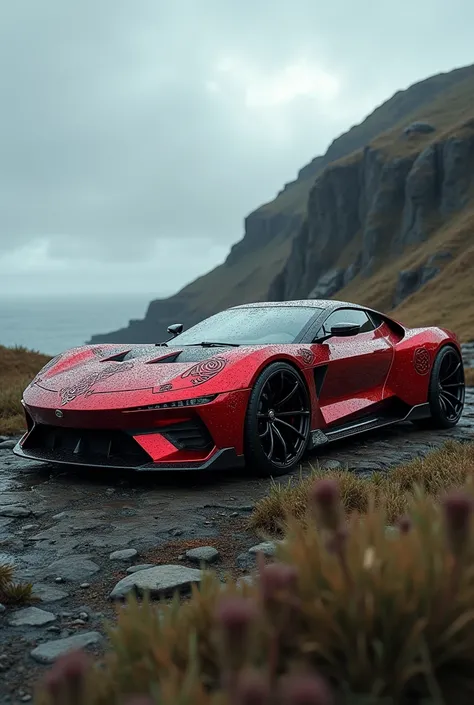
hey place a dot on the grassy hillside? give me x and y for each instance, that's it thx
(17, 368)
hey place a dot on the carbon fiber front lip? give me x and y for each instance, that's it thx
(224, 459)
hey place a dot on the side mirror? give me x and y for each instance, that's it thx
(175, 329)
(344, 330)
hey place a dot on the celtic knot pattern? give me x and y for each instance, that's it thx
(306, 355)
(84, 387)
(421, 361)
(205, 370)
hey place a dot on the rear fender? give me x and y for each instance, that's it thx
(409, 377)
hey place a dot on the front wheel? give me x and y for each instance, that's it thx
(278, 421)
(446, 390)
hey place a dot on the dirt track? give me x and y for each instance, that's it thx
(83, 517)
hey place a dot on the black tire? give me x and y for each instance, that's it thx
(446, 390)
(278, 421)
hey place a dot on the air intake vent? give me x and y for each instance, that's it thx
(188, 435)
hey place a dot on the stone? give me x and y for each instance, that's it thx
(246, 561)
(328, 284)
(422, 128)
(49, 593)
(268, 548)
(203, 554)
(14, 511)
(408, 282)
(7, 445)
(31, 617)
(157, 581)
(72, 568)
(331, 464)
(247, 580)
(135, 568)
(30, 527)
(2, 608)
(51, 650)
(84, 586)
(123, 555)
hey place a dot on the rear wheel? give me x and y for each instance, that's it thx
(446, 390)
(278, 421)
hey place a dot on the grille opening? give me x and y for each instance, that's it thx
(86, 445)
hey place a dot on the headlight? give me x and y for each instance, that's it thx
(175, 404)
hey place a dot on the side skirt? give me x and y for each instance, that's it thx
(371, 423)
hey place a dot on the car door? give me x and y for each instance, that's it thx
(357, 366)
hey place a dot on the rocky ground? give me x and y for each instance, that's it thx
(85, 538)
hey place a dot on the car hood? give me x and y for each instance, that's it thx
(83, 372)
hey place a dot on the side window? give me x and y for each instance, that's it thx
(349, 315)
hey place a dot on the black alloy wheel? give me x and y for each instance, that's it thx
(447, 389)
(278, 421)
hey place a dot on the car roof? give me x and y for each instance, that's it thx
(308, 303)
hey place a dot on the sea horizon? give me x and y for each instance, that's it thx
(50, 324)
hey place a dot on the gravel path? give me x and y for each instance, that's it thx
(75, 535)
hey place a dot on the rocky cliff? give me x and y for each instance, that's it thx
(382, 190)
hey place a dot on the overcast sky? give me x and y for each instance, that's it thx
(136, 136)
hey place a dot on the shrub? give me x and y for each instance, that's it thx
(348, 614)
(12, 593)
(449, 466)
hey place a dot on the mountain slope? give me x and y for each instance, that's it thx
(375, 196)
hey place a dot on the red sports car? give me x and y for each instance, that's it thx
(255, 385)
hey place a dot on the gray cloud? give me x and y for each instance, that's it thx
(139, 132)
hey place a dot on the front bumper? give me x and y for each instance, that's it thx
(224, 459)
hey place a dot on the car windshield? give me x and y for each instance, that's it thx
(250, 326)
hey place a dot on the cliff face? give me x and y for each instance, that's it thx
(382, 188)
(374, 208)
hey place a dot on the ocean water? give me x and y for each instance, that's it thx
(53, 324)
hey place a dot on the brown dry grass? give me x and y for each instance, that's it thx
(18, 366)
(450, 466)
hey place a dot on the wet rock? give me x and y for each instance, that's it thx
(268, 548)
(7, 444)
(16, 512)
(2, 608)
(135, 568)
(30, 527)
(157, 581)
(52, 650)
(203, 554)
(84, 586)
(49, 593)
(124, 555)
(72, 568)
(31, 617)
